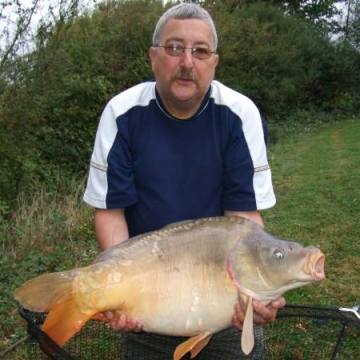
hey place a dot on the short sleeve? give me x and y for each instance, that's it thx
(110, 182)
(248, 182)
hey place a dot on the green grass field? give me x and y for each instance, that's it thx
(317, 176)
(316, 173)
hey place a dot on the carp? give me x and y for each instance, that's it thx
(182, 280)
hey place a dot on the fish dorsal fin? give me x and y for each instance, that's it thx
(178, 223)
(247, 336)
(193, 345)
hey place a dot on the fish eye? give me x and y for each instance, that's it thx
(278, 254)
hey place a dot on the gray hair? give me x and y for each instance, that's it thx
(184, 11)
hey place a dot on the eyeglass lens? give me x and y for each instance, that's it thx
(179, 50)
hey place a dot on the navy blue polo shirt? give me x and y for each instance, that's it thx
(162, 169)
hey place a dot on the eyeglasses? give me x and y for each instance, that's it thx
(200, 53)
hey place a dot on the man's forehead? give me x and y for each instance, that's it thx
(181, 30)
(179, 39)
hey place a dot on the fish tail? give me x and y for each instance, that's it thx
(41, 293)
(64, 320)
(53, 293)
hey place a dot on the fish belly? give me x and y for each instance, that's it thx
(183, 303)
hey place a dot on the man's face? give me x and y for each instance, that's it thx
(184, 80)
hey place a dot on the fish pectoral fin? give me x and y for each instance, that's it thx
(193, 345)
(64, 320)
(200, 345)
(247, 336)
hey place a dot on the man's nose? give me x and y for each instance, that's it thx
(187, 58)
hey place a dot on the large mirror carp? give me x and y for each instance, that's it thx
(182, 280)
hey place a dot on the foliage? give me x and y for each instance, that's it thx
(320, 12)
(54, 95)
(284, 64)
(49, 224)
(352, 24)
(51, 98)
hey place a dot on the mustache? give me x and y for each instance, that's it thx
(185, 74)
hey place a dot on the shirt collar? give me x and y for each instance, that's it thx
(202, 107)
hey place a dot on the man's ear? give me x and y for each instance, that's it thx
(216, 59)
(152, 55)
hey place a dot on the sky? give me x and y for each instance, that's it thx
(9, 16)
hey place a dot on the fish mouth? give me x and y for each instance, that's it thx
(315, 265)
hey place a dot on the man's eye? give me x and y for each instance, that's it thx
(175, 48)
(201, 51)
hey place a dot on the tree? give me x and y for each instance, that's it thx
(284, 63)
(352, 23)
(19, 20)
(321, 12)
(54, 95)
(16, 21)
(21, 110)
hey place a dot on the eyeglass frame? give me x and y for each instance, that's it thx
(181, 50)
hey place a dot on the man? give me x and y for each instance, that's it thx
(182, 147)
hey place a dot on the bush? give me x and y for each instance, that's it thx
(53, 97)
(281, 62)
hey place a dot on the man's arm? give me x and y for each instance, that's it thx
(110, 227)
(250, 215)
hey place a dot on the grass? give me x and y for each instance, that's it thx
(310, 339)
(316, 174)
(49, 232)
(316, 177)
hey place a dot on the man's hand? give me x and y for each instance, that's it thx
(262, 314)
(123, 323)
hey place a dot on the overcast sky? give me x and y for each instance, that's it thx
(9, 14)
